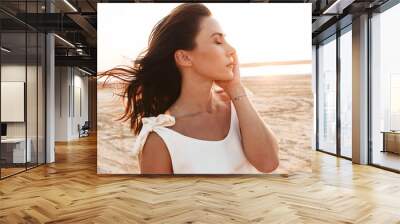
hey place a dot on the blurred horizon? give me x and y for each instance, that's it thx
(300, 67)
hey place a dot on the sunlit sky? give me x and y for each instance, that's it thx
(260, 32)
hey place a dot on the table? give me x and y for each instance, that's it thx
(15, 148)
(391, 141)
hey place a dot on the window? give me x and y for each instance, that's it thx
(346, 93)
(385, 88)
(327, 96)
(395, 102)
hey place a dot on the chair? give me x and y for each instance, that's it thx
(84, 130)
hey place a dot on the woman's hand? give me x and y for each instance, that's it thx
(234, 86)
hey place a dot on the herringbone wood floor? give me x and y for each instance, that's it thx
(70, 191)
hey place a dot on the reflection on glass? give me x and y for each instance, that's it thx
(327, 97)
(346, 94)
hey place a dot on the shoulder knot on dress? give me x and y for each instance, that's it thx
(149, 125)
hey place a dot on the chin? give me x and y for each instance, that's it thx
(226, 76)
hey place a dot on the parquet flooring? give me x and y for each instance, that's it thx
(70, 191)
(11, 170)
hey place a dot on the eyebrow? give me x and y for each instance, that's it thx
(219, 34)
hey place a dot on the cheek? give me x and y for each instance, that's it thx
(210, 59)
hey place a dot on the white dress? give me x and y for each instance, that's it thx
(194, 156)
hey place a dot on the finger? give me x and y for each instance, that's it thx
(236, 63)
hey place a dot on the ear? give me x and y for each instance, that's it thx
(182, 58)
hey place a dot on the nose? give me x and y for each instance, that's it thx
(231, 50)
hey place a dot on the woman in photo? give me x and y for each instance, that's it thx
(187, 105)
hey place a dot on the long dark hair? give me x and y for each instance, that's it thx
(153, 84)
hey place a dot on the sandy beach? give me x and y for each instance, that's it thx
(285, 102)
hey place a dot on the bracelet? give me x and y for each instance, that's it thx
(238, 97)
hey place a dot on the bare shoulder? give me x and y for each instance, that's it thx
(154, 157)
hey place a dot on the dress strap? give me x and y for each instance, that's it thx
(149, 125)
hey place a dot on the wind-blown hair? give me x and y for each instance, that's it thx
(153, 84)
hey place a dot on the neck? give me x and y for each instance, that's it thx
(196, 96)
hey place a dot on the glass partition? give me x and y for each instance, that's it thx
(13, 95)
(22, 78)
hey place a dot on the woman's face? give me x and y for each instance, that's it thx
(213, 56)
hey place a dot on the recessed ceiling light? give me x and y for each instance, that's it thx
(64, 40)
(5, 50)
(70, 5)
(338, 6)
(86, 72)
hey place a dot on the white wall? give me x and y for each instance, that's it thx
(62, 81)
(33, 126)
(12, 73)
(69, 82)
(80, 94)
